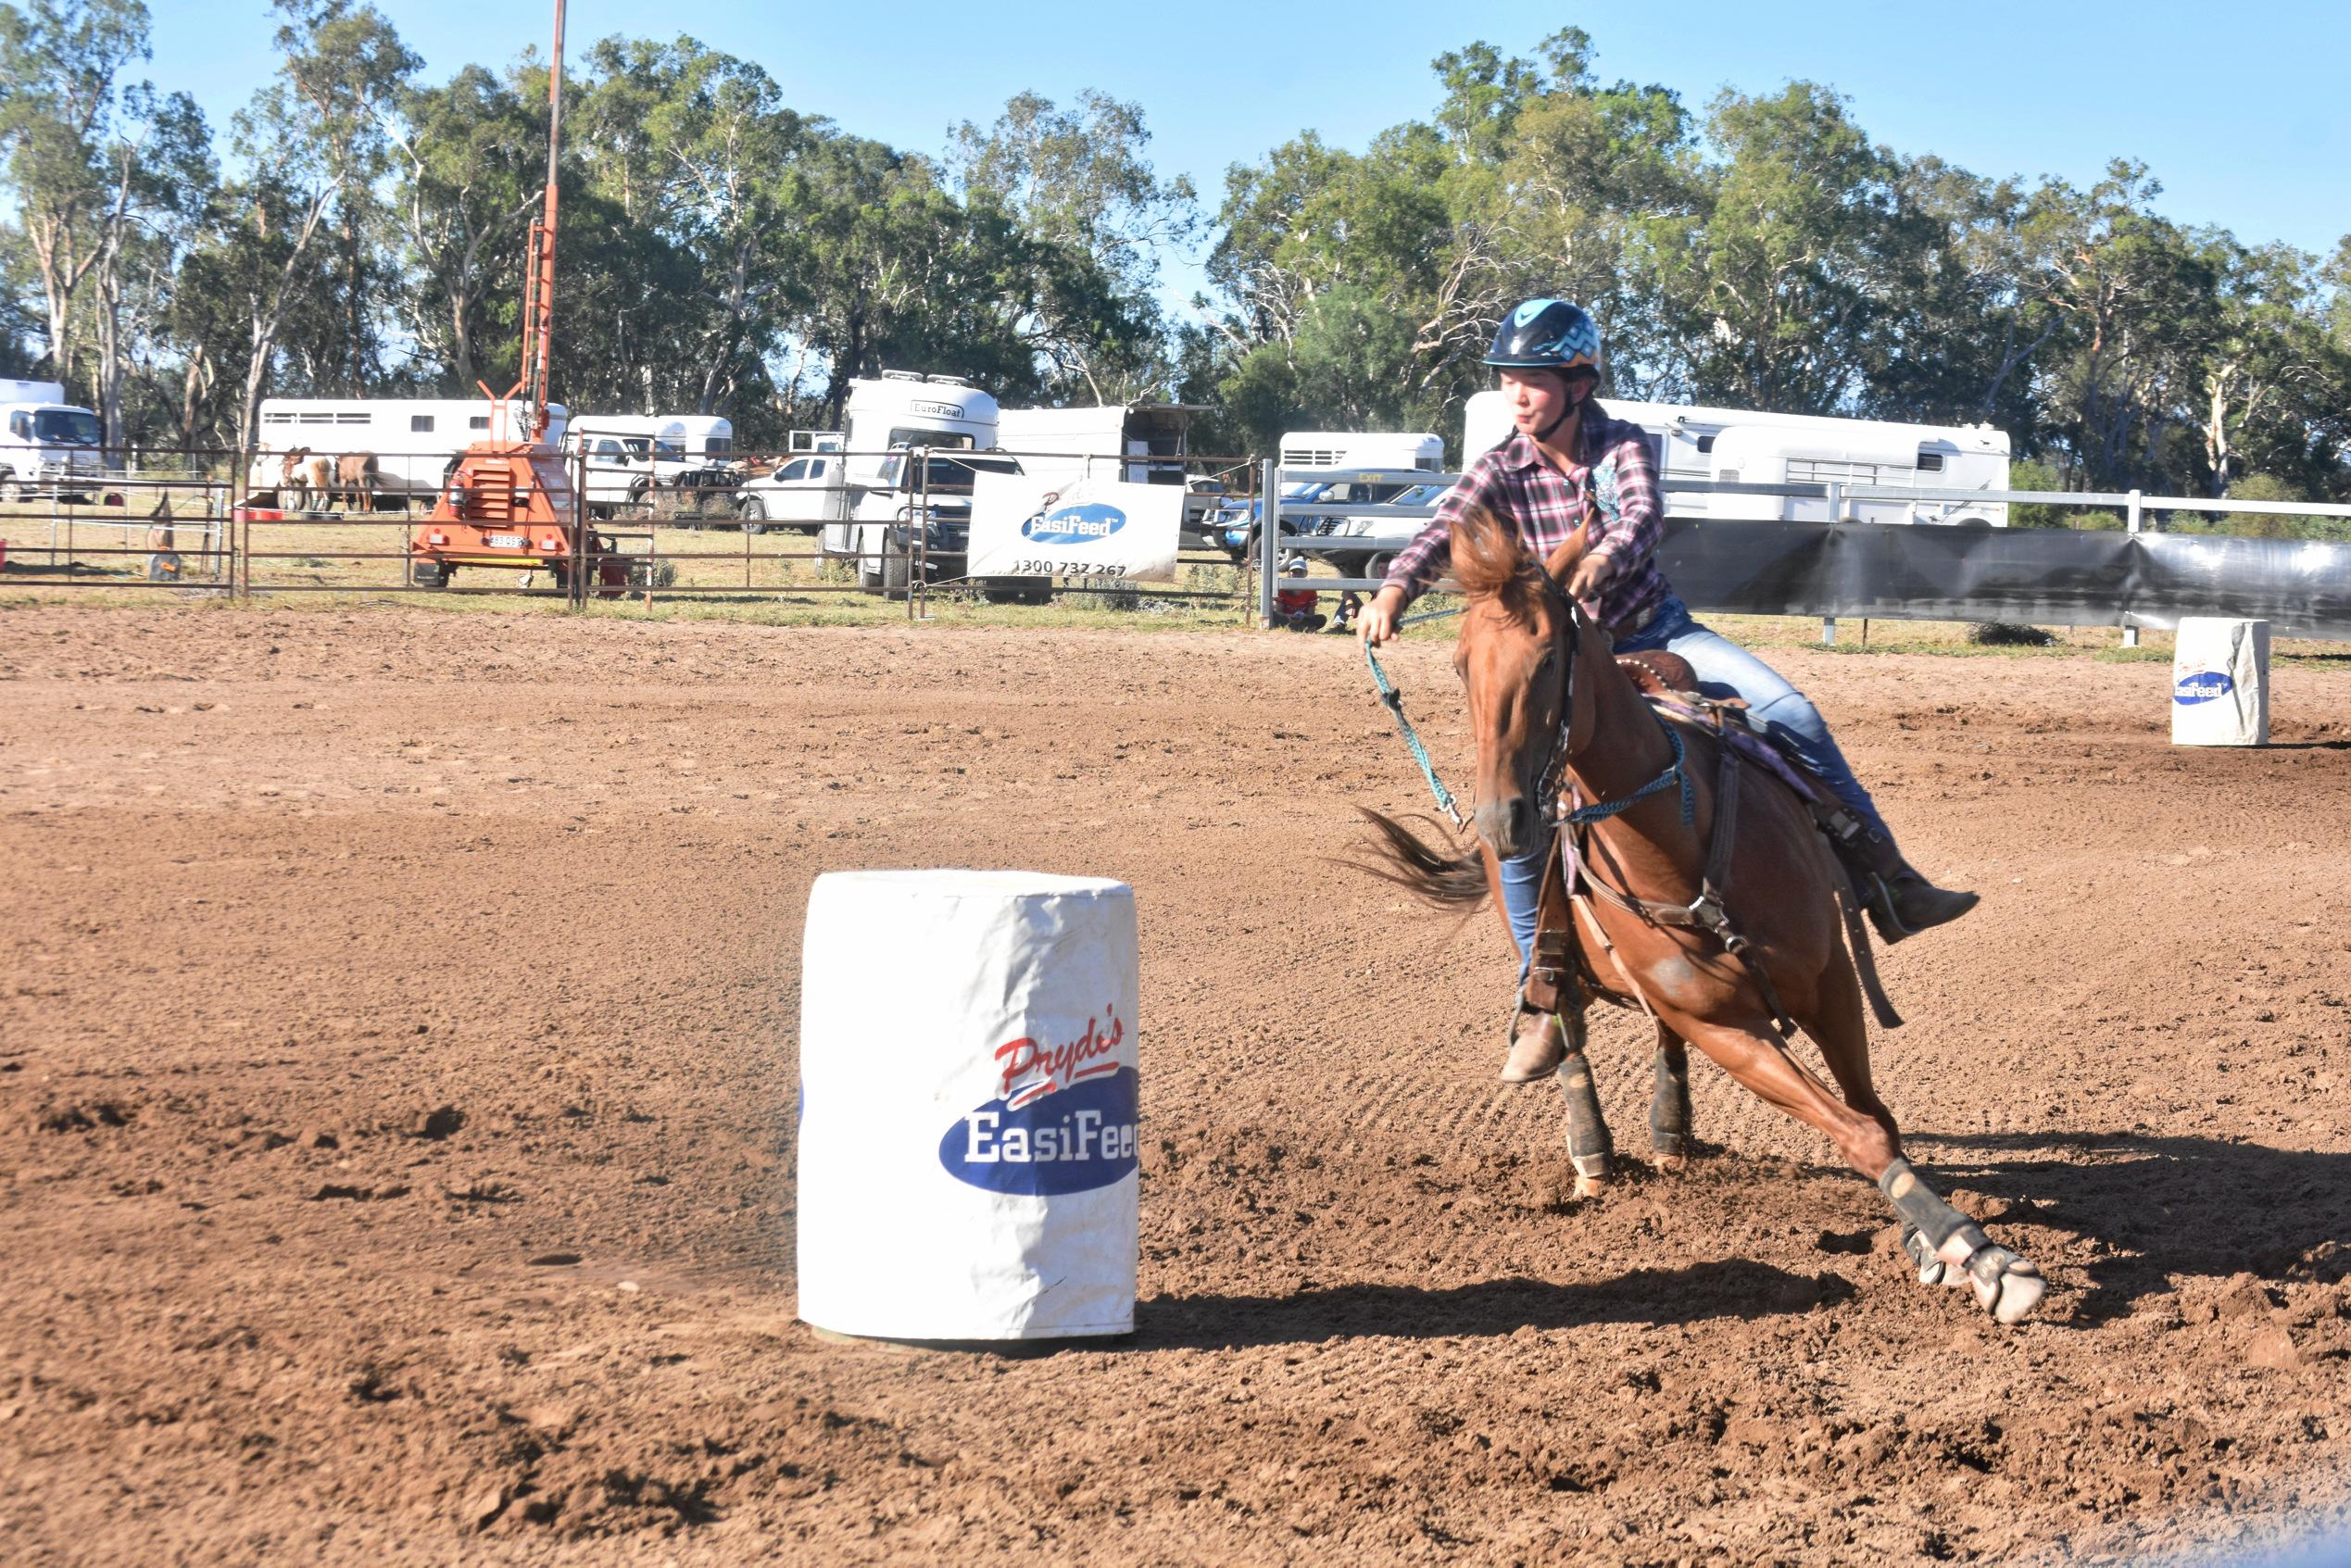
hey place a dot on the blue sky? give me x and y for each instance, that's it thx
(2239, 109)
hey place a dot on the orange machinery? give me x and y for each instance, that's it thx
(508, 502)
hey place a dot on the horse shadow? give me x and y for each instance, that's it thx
(2158, 1207)
(1721, 1288)
(2161, 1206)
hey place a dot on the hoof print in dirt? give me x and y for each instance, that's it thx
(356, 1193)
(83, 1118)
(437, 1124)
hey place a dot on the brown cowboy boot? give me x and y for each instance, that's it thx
(1537, 1045)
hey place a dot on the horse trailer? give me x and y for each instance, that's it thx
(1362, 449)
(1735, 445)
(416, 441)
(872, 508)
(626, 458)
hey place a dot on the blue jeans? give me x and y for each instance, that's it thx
(1725, 670)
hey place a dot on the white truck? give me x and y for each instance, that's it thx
(416, 441)
(47, 446)
(878, 495)
(1733, 445)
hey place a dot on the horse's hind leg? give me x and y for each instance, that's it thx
(2005, 1285)
(1590, 1148)
(1669, 1101)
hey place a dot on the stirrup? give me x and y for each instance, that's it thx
(1885, 910)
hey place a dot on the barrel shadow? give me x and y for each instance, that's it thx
(1723, 1289)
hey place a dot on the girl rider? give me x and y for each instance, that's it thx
(1566, 452)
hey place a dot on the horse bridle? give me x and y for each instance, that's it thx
(1549, 783)
(1555, 766)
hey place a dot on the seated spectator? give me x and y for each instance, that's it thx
(1294, 608)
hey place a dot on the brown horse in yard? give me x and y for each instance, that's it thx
(1718, 942)
(349, 481)
(356, 478)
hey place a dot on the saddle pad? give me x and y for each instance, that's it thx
(1745, 741)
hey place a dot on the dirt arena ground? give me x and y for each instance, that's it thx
(397, 1081)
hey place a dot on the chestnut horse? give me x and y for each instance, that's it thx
(349, 481)
(1555, 718)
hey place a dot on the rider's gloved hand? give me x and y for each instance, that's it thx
(1377, 623)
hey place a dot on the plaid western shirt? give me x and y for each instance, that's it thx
(1515, 483)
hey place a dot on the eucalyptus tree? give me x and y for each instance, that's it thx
(1789, 273)
(470, 160)
(1096, 217)
(311, 137)
(2266, 374)
(101, 170)
(697, 147)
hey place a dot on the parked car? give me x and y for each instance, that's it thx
(793, 494)
(1239, 533)
(1389, 530)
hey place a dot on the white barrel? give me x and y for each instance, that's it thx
(968, 1106)
(2221, 682)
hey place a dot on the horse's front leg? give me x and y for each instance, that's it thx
(1948, 1246)
(1590, 1148)
(1669, 1101)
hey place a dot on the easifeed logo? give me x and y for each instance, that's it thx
(1064, 1121)
(1079, 525)
(2202, 686)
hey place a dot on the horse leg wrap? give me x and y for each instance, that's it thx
(1669, 1106)
(1589, 1146)
(1950, 1249)
(1936, 1221)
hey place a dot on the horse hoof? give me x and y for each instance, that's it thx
(1592, 1174)
(1672, 1164)
(2006, 1285)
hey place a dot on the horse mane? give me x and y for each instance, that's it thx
(1487, 559)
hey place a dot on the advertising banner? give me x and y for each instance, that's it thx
(1026, 526)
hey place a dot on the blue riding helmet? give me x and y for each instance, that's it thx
(1547, 334)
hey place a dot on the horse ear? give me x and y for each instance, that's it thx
(1562, 562)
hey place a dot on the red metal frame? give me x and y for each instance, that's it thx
(510, 503)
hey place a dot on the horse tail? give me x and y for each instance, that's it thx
(1402, 857)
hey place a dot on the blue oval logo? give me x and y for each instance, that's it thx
(1079, 524)
(2202, 686)
(1073, 1140)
